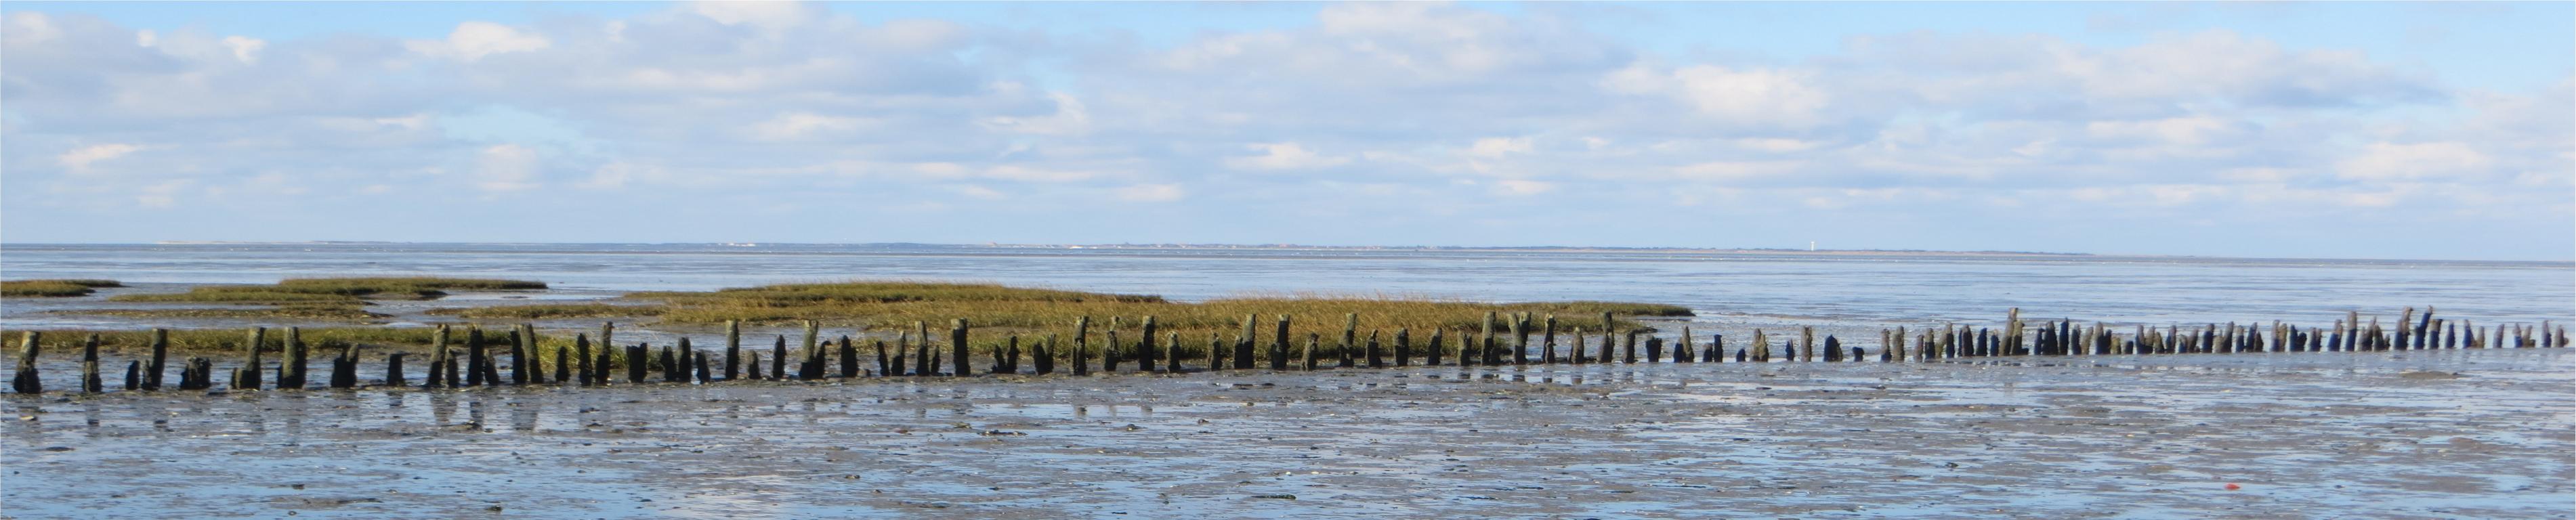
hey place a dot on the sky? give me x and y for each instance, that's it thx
(2304, 129)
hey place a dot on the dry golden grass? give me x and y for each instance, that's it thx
(331, 290)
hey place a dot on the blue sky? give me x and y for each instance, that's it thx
(2241, 129)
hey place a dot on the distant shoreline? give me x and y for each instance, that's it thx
(1784, 252)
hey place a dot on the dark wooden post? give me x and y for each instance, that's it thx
(849, 358)
(581, 353)
(1279, 345)
(394, 370)
(733, 350)
(1547, 341)
(1575, 352)
(1081, 346)
(1761, 347)
(1312, 341)
(1145, 348)
(778, 357)
(957, 346)
(1376, 358)
(1350, 339)
(1046, 355)
(1489, 352)
(160, 359)
(90, 381)
(520, 346)
(247, 378)
(1243, 348)
(1683, 353)
(1654, 350)
(1432, 354)
(1403, 347)
(1216, 352)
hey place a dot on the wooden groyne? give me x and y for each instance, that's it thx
(1500, 340)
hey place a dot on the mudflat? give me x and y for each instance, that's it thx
(2410, 434)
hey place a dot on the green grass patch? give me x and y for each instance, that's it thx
(53, 288)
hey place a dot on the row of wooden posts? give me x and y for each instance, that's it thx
(914, 353)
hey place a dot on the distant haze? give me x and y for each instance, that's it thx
(2355, 130)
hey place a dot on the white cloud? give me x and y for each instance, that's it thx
(1756, 97)
(79, 159)
(245, 49)
(1497, 147)
(1069, 119)
(800, 125)
(1150, 193)
(476, 39)
(1284, 156)
(2391, 161)
(506, 168)
(1523, 187)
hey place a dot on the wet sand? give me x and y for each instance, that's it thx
(2423, 434)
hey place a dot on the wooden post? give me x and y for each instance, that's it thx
(581, 354)
(1761, 347)
(1403, 347)
(1243, 348)
(1807, 340)
(394, 370)
(812, 367)
(1350, 339)
(849, 358)
(90, 382)
(1145, 348)
(706, 373)
(437, 358)
(133, 374)
(885, 366)
(638, 359)
(563, 364)
(474, 355)
(1431, 355)
(1082, 346)
(1376, 358)
(1609, 344)
(957, 347)
(1833, 349)
(1216, 352)
(1110, 353)
(1682, 353)
(1172, 353)
(1628, 348)
(1547, 341)
(1488, 352)
(344, 369)
(921, 354)
(520, 346)
(248, 377)
(671, 363)
(1520, 339)
(160, 356)
(1279, 345)
(1654, 350)
(733, 350)
(1309, 355)
(1575, 351)
(1046, 355)
(778, 357)
(754, 359)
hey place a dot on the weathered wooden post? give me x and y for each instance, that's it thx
(1216, 352)
(706, 373)
(519, 349)
(923, 362)
(474, 355)
(1110, 351)
(1547, 341)
(1243, 348)
(1520, 339)
(885, 366)
(344, 369)
(849, 358)
(957, 346)
(1575, 351)
(1488, 353)
(638, 360)
(1761, 347)
(1717, 349)
(1833, 349)
(90, 382)
(290, 373)
(1431, 355)
(733, 350)
(1682, 353)
(1807, 340)
(160, 359)
(1172, 353)
(437, 358)
(394, 370)
(133, 374)
(1279, 345)
(247, 378)
(1376, 358)
(1654, 350)
(1609, 345)
(1403, 347)
(778, 357)
(1082, 346)
(1312, 339)
(812, 367)
(1350, 339)
(1145, 348)
(1046, 355)
(671, 363)
(581, 354)
(205, 374)
(1628, 348)
(754, 358)
(563, 364)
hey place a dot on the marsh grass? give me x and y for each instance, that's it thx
(996, 311)
(554, 311)
(332, 290)
(53, 288)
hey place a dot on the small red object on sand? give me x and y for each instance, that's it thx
(2231, 486)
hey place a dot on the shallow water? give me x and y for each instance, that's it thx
(2439, 434)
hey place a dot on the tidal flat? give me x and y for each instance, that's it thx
(2412, 434)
